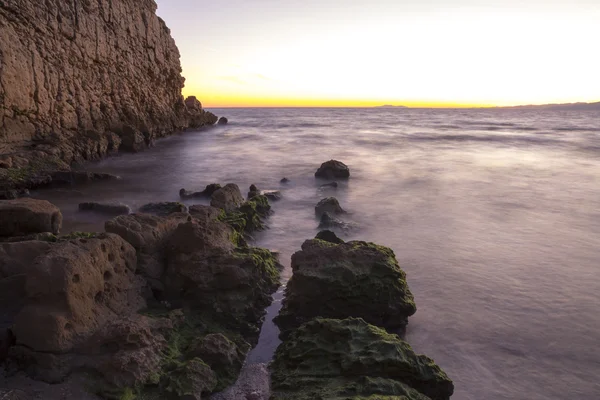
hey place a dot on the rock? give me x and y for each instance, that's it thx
(148, 234)
(249, 216)
(73, 288)
(80, 177)
(284, 180)
(220, 353)
(328, 221)
(352, 279)
(343, 359)
(193, 104)
(333, 169)
(207, 192)
(253, 191)
(122, 70)
(205, 212)
(330, 205)
(26, 216)
(192, 379)
(227, 198)
(272, 194)
(105, 208)
(223, 121)
(13, 194)
(207, 272)
(329, 236)
(164, 208)
(333, 185)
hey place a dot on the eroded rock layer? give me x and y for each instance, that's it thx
(81, 79)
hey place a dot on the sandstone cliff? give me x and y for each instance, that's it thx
(80, 79)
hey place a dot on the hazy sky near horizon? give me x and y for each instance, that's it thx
(412, 52)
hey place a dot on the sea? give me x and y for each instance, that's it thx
(494, 214)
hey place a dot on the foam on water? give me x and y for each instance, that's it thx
(494, 215)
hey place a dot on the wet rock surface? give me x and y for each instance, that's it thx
(350, 359)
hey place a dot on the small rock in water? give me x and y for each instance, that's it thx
(330, 205)
(284, 180)
(328, 221)
(333, 169)
(329, 185)
(105, 208)
(163, 209)
(223, 121)
(207, 192)
(272, 194)
(13, 194)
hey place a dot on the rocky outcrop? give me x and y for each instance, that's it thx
(159, 307)
(352, 279)
(333, 169)
(81, 80)
(26, 216)
(330, 205)
(350, 359)
(227, 198)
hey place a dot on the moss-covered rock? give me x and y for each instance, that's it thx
(352, 279)
(249, 216)
(192, 378)
(350, 359)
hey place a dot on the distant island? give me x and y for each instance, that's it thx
(565, 106)
(390, 106)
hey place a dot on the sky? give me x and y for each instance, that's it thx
(239, 53)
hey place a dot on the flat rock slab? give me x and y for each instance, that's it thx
(25, 216)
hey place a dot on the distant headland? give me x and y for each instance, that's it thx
(564, 106)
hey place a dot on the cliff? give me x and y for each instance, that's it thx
(80, 79)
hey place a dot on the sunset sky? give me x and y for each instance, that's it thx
(401, 52)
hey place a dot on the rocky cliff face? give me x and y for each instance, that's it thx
(82, 78)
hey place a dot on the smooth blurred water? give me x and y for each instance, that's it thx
(493, 214)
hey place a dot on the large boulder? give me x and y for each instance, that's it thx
(74, 288)
(24, 216)
(333, 169)
(350, 359)
(227, 198)
(352, 279)
(330, 205)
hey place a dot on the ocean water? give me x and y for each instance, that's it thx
(493, 214)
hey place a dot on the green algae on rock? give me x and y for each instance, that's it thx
(352, 279)
(350, 359)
